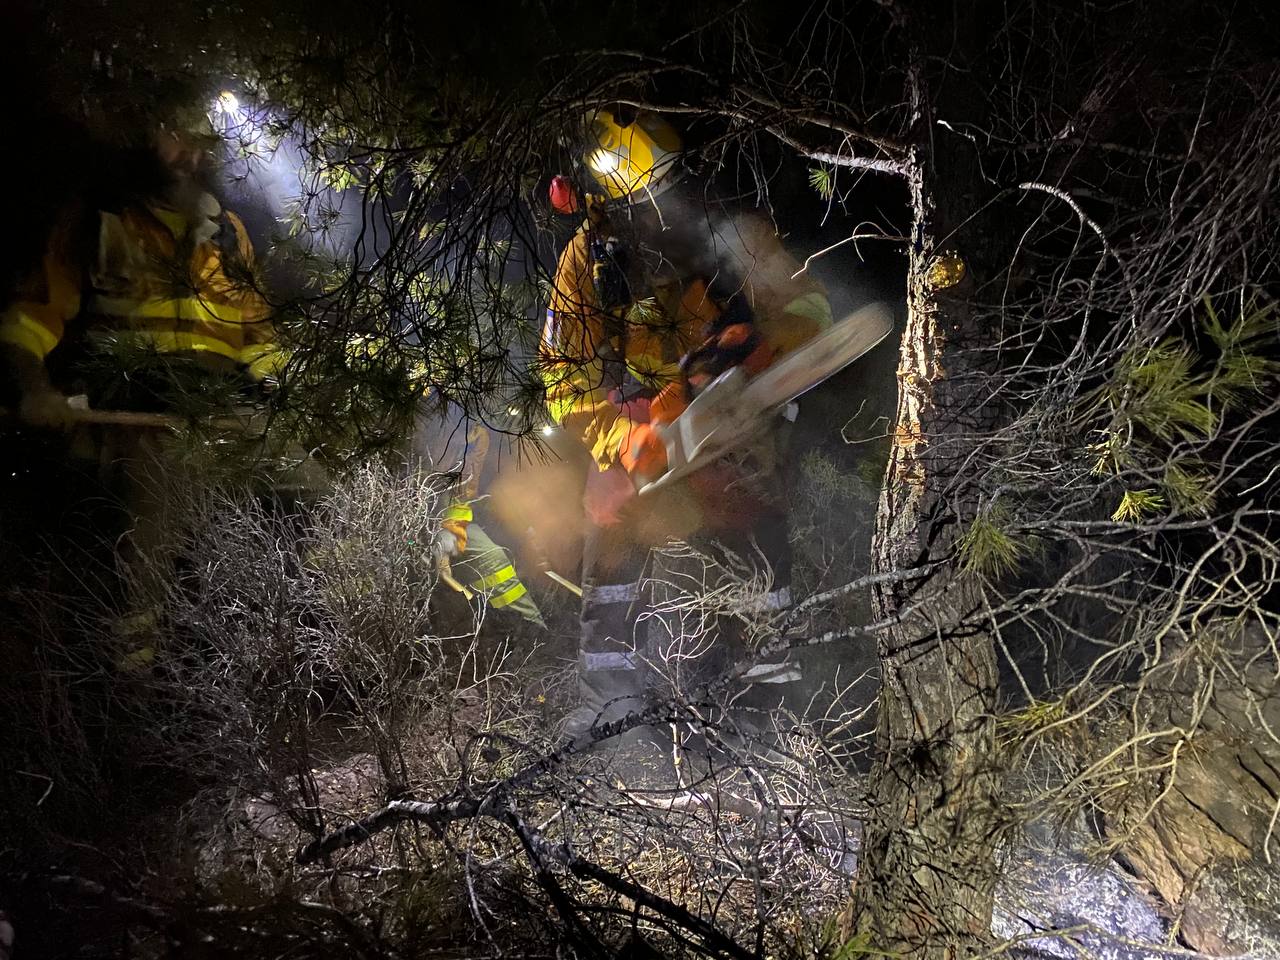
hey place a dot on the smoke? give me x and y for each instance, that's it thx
(532, 505)
(686, 233)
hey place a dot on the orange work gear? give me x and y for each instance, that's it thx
(579, 337)
(155, 281)
(581, 341)
(670, 402)
(644, 456)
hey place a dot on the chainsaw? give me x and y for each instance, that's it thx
(734, 409)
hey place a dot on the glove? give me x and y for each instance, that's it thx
(735, 345)
(46, 408)
(636, 409)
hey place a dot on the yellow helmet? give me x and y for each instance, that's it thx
(633, 162)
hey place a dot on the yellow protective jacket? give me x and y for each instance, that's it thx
(579, 342)
(151, 280)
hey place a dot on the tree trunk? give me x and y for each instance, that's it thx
(927, 874)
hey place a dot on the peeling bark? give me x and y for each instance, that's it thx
(926, 881)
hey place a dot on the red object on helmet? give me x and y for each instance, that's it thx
(564, 198)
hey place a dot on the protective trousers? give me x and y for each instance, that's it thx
(642, 625)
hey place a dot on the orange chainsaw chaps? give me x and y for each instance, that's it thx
(644, 454)
(668, 404)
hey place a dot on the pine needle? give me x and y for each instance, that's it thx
(1158, 392)
(1137, 505)
(987, 548)
(1188, 486)
(822, 182)
(1242, 369)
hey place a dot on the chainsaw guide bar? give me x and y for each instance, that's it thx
(733, 408)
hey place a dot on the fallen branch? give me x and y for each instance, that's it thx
(397, 811)
(586, 870)
(448, 810)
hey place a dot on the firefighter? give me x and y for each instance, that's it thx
(165, 274)
(161, 277)
(652, 299)
(475, 560)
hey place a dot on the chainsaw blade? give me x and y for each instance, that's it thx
(732, 409)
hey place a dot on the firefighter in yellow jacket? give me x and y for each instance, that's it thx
(653, 297)
(165, 277)
(169, 274)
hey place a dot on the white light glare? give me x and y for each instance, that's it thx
(604, 162)
(548, 430)
(227, 102)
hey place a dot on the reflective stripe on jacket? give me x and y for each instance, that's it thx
(575, 345)
(152, 285)
(787, 310)
(44, 300)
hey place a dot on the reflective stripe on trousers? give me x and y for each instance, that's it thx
(609, 660)
(607, 610)
(607, 593)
